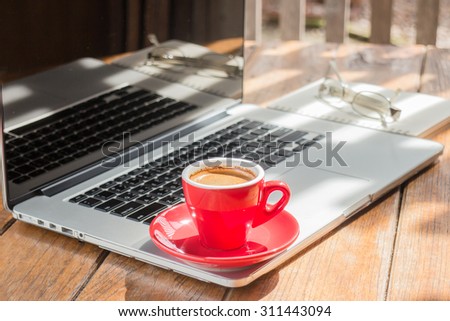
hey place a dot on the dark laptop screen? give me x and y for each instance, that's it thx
(192, 42)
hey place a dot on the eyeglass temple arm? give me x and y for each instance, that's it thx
(395, 112)
(196, 63)
(333, 67)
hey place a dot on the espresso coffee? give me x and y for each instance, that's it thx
(223, 176)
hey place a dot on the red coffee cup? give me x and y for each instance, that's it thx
(224, 215)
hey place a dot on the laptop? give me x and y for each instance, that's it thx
(94, 151)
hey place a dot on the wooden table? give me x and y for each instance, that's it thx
(398, 249)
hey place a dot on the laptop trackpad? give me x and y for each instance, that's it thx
(320, 194)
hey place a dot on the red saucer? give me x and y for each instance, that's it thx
(174, 232)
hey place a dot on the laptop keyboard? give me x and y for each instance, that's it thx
(81, 129)
(142, 193)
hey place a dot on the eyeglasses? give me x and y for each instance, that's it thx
(209, 65)
(336, 93)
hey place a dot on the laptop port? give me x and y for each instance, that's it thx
(52, 226)
(66, 230)
(40, 222)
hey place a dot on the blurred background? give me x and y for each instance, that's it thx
(403, 20)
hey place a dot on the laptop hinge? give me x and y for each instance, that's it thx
(353, 209)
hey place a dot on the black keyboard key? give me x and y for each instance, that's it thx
(147, 199)
(254, 157)
(303, 145)
(108, 185)
(24, 169)
(252, 124)
(109, 205)
(136, 171)
(104, 195)
(160, 192)
(126, 209)
(168, 176)
(128, 196)
(156, 182)
(273, 159)
(319, 137)
(142, 189)
(285, 153)
(122, 178)
(268, 126)
(249, 137)
(66, 160)
(77, 198)
(51, 166)
(93, 191)
(259, 132)
(172, 186)
(36, 172)
(149, 210)
(170, 200)
(266, 139)
(281, 132)
(292, 137)
(179, 193)
(264, 165)
(118, 189)
(133, 181)
(149, 220)
(265, 150)
(89, 202)
(238, 131)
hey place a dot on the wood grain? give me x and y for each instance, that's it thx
(292, 19)
(398, 249)
(435, 78)
(421, 269)
(427, 21)
(42, 265)
(354, 263)
(350, 264)
(385, 65)
(121, 278)
(337, 15)
(6, 219)
(381, 21)
(278, 68)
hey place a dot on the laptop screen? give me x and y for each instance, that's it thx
(198, 44)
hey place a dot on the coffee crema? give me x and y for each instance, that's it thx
(223, 176)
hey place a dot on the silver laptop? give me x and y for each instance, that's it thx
(94, 151)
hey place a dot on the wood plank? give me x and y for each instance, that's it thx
(225, 19)
(278, 68)
(121, 278)
(6, 219)
(435, 80)
(156, 16)
(384, 65)
(292, 19)
(253, 20)
(427, 21)
(337, 14)
(354, 262)
(133, 24)
(421, 265)
(381, 21)
(42, 265)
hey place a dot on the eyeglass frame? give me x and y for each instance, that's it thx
(394, 112)
(198, 63)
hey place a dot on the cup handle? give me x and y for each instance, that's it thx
(268, 211)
